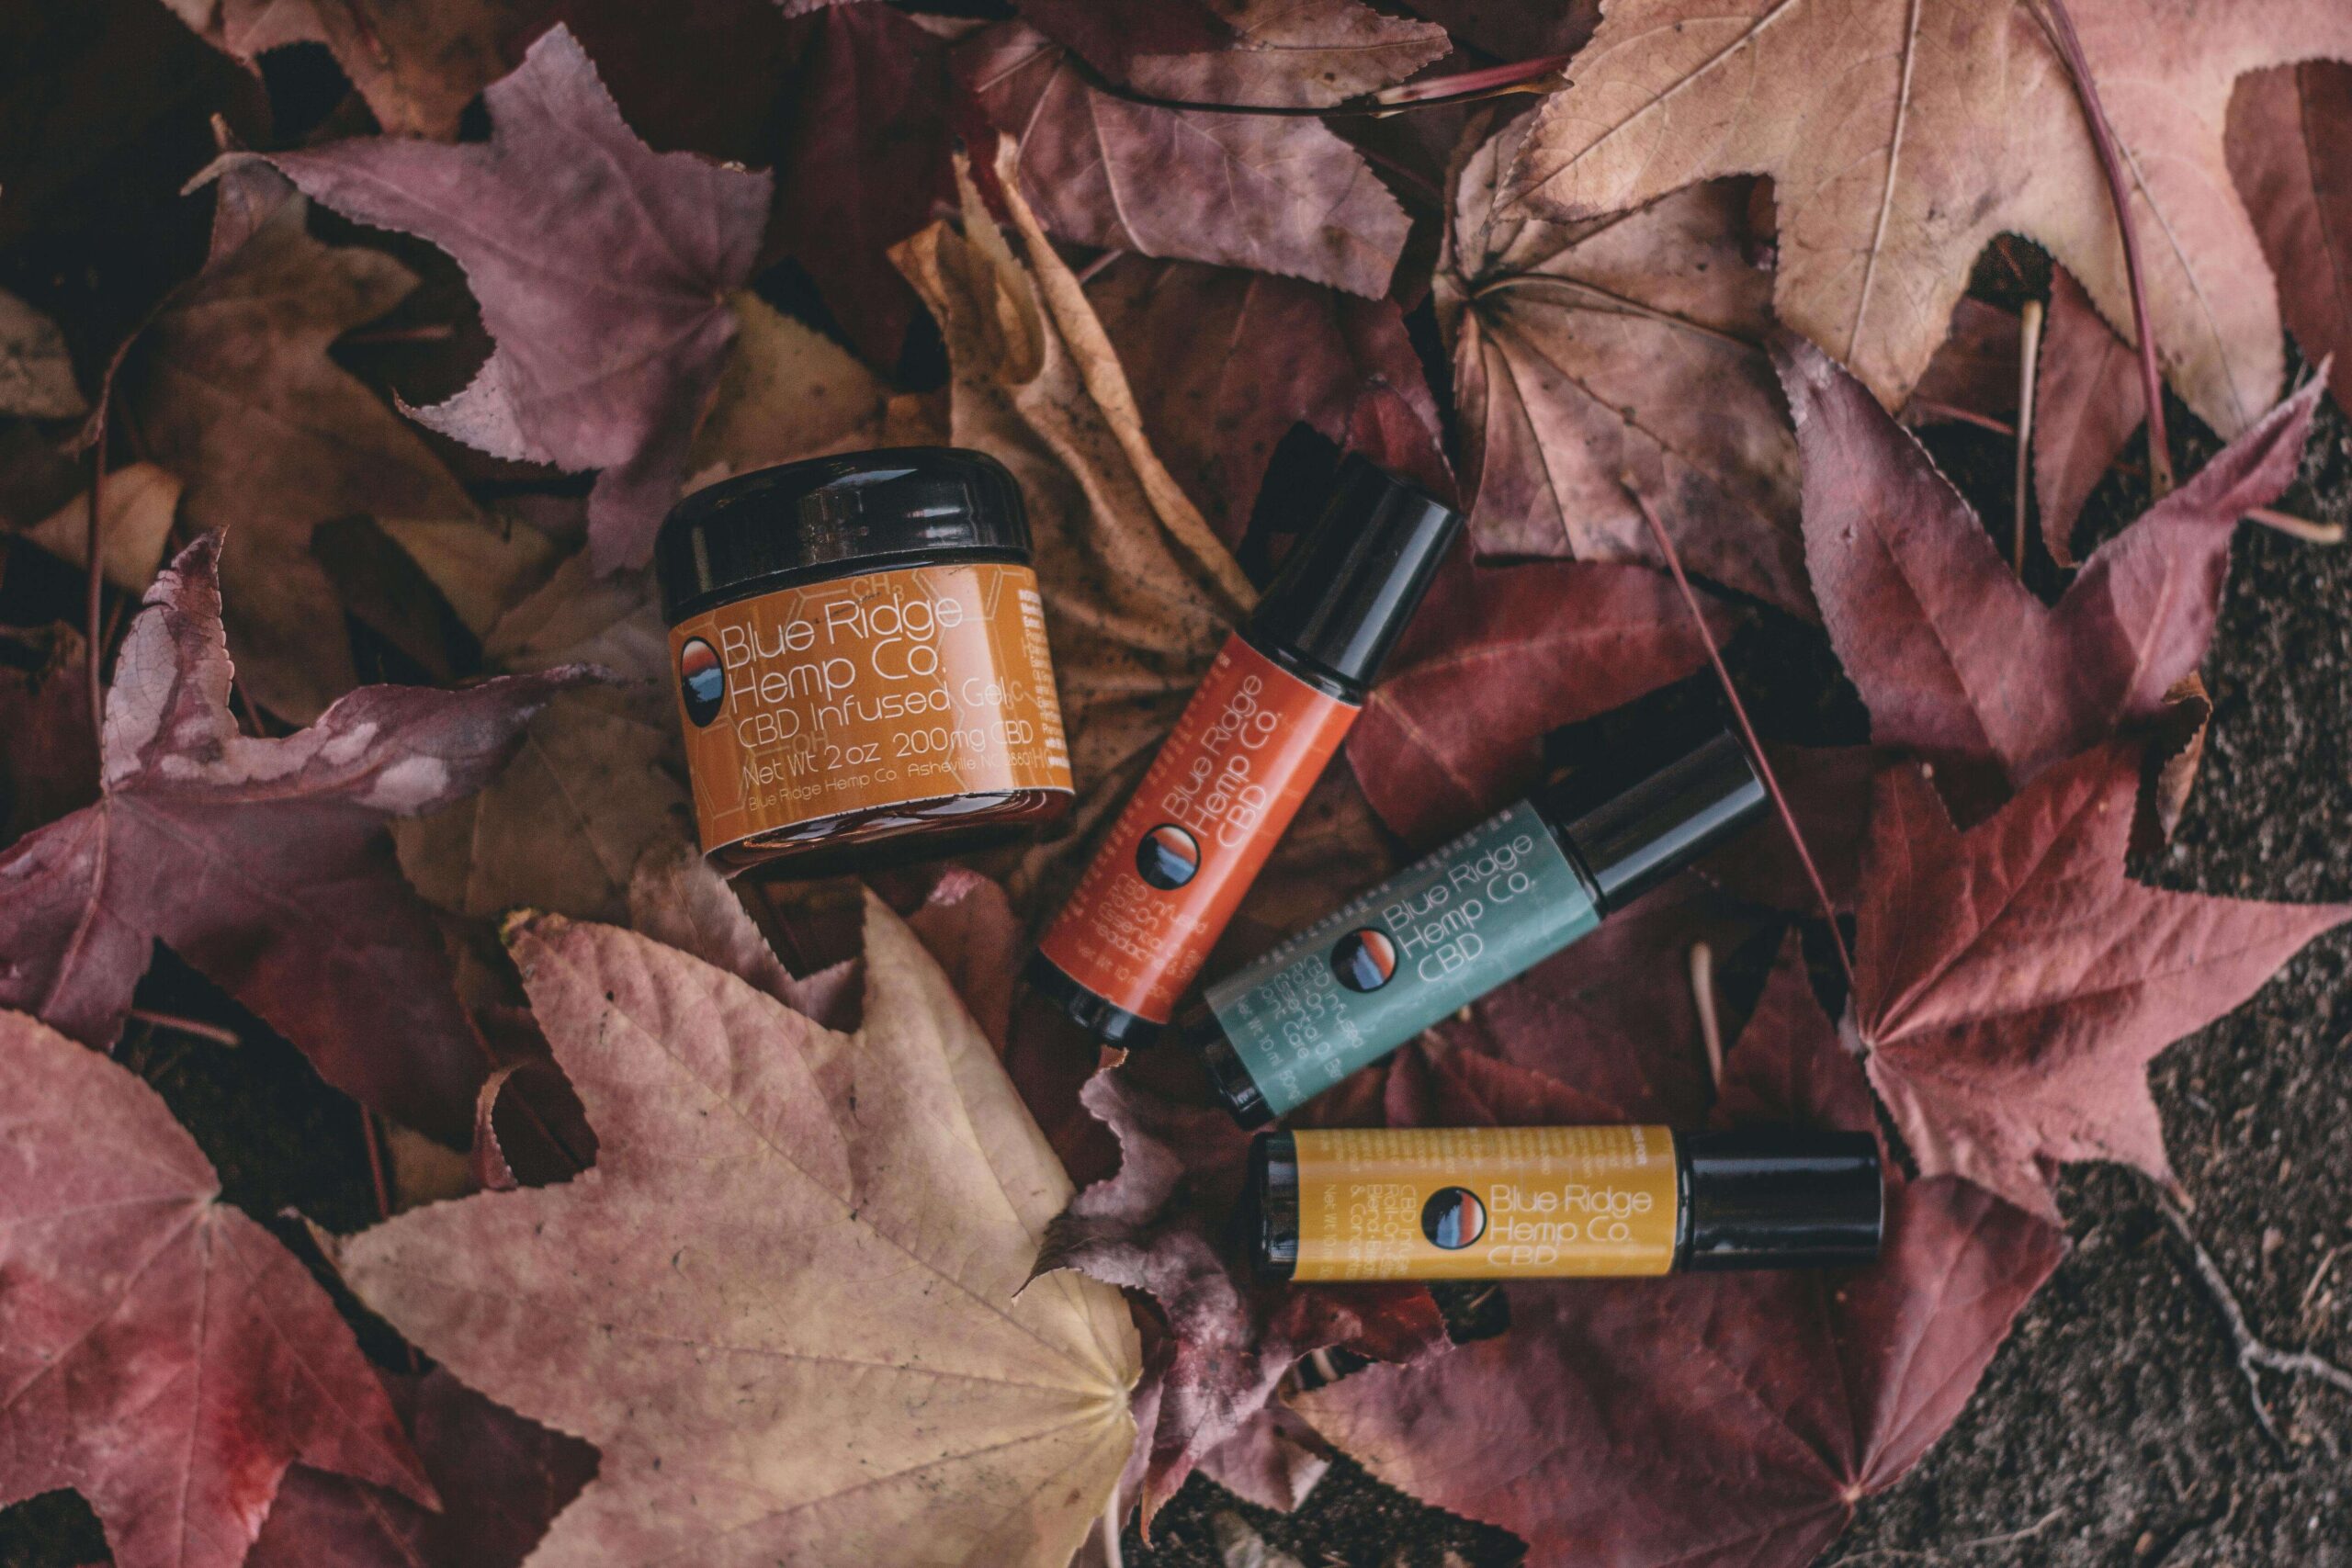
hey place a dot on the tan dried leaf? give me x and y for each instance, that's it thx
(139, 500)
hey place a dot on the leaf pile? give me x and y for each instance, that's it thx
(351, 355)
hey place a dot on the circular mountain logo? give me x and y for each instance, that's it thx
(702, 681)
(1168, 857)
(1454, 1218)
(1365, 960)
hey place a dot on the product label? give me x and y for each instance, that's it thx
(1486, 1203)
(877, 690)
(1439, 934)
(1248, 747)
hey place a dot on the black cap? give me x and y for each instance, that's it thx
(1635, 839)
(1781, 1198)
(755, 531)
(1346, 590)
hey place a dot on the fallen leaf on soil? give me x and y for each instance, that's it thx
(1495, 657)
(49, 759)
(262, 862)
(2013, 983)
(1271, 193)
(1903, 139)
(1297, 53)
(36, 368)
(501, 1478)
(140, 501)
(165, 1356)
(1952, 653)
(1616, 352)
(2087, 404)
(1728, 1421)
(602, 279)
(1139, 593)
(1162, 1226)
(2290, 139)
(230, 387)
(788, 1289)
(1226, 362)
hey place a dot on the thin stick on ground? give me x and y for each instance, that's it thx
(178, 1025)
(2255, 1354)
(2029, 359)
(2059, 24)
(2296, 528)
(1702, 997)
(1747, 731)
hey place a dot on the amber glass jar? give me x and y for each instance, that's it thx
(860, 648)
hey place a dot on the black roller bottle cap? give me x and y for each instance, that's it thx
(1344, 592)
(1781, 1198)
(1640, 837)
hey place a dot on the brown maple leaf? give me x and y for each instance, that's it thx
(1902, 137)
(1270, 193)
(786, 1304)
(1725, 1421)
(160, 1352)
(2013, 982)
(1612, 353)
(1299, 54)
(2290, 142)
(1495, 658)
(1952, 653)
(231, 389)
(602, 269)
(262, 862)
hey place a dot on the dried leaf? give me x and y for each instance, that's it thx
(1274, 1460)
(604, 279)
(36, 368)
(262, 862)
(140, 501)
(1272, 193)
(2013, 983)
(1617, 353)
(2087, 404)
(793, 1271)
(1513, 29)
(49, 759)
(1299, 53)
(1975, 372)
(1902, 139)
(2290, 135)
(165, 1356)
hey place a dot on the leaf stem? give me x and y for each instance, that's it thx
(1747, 730)
(2059, 23)
(2296, 528)
(93, 598)
(2029, 359)
(179, 1025)
(1703, 996)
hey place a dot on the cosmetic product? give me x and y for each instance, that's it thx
(1504, 896)
(1268, 715)
(860, 648)
(1556, 1202)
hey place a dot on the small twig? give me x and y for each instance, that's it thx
(1933, 410)
(2296, 528)
(1088, 273)
(2255, 1355)
(2028, 356)
(1536, 75)
(2059, 24)
(2008, 1539)
(376, 1163)
(2319, 1277)
(1321, 1361)
(1702, 995)
(94, 656)
(426, 331)
(178, 1025)
(1747, 730)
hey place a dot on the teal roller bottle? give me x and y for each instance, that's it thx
(1495, 902)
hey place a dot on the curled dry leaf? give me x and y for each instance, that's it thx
(2013, 983)
(230, 387)
(1495, 658)
(501, 1477)
(1615, 353)
(1725, 1421)
(603, 279)
(1139, 593)
(1272, 193)
(1162, 1226)
(1952, 653)
(783, 1306)
(1902, 139)
(1295, 54)
(262, 862)
(164, 1357)
(2289, 140)
(36, 368)
(1226, 362)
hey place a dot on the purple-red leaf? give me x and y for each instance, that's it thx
(602, 269)
(2290, 142)
(2087, 403)
(262, 862)
(1302, 53)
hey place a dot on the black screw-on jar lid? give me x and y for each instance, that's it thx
(1638, 838)
(1781, 1198)
(758, 530)
(1344, 592)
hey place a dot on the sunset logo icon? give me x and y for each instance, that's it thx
(1168, 857)
(1365, 960)
(1454, 1218)
(702, 681)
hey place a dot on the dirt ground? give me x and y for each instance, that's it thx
(2115, 1428)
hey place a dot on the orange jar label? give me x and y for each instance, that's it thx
(1232, 774)
(1486, 1203)
(878, 690)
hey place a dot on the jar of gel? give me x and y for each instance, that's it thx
(860, 649)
